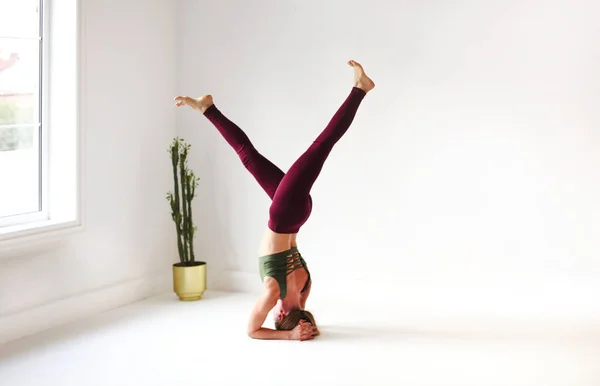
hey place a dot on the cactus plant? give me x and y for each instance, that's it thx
(180, 200)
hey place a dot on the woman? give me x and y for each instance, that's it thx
(285, 275)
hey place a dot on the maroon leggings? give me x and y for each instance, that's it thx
(290, 192)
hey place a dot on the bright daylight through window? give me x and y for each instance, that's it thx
(22, 148)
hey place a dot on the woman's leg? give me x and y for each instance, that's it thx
(264, 171)
(292, 203)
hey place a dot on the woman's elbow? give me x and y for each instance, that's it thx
(252, 333)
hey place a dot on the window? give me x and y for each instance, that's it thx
(39, 143)
(22, 192)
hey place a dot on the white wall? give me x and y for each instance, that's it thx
(127, 247)
(474, 162)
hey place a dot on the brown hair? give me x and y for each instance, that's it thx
(292, 319)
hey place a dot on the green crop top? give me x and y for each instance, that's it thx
(279, 265)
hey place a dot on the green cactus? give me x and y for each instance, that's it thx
(180, 200)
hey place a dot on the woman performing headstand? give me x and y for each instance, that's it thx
(284, 272)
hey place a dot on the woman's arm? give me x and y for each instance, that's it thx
(304, 296)
(265, 303)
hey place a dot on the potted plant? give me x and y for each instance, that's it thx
(189, 275)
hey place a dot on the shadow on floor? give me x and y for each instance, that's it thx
(582, 335)
(121, 316)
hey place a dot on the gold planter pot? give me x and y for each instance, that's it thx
(189, 281)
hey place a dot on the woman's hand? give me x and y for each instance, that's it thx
(304, 331)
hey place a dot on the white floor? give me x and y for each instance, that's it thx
(161, 341)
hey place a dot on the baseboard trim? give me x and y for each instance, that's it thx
(38, 319)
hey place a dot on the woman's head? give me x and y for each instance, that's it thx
(292, 319)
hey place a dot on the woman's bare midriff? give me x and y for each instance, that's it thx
(275, 242)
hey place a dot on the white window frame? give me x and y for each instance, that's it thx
(61, 151)
(41, 215)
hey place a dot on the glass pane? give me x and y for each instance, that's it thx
(17, 138)
(19, 18)
(20, 170)
(18, 109)
(19, 81)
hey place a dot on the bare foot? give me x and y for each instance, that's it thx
(361, 80)
(200, 104)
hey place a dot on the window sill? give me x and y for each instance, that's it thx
(34, 233)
